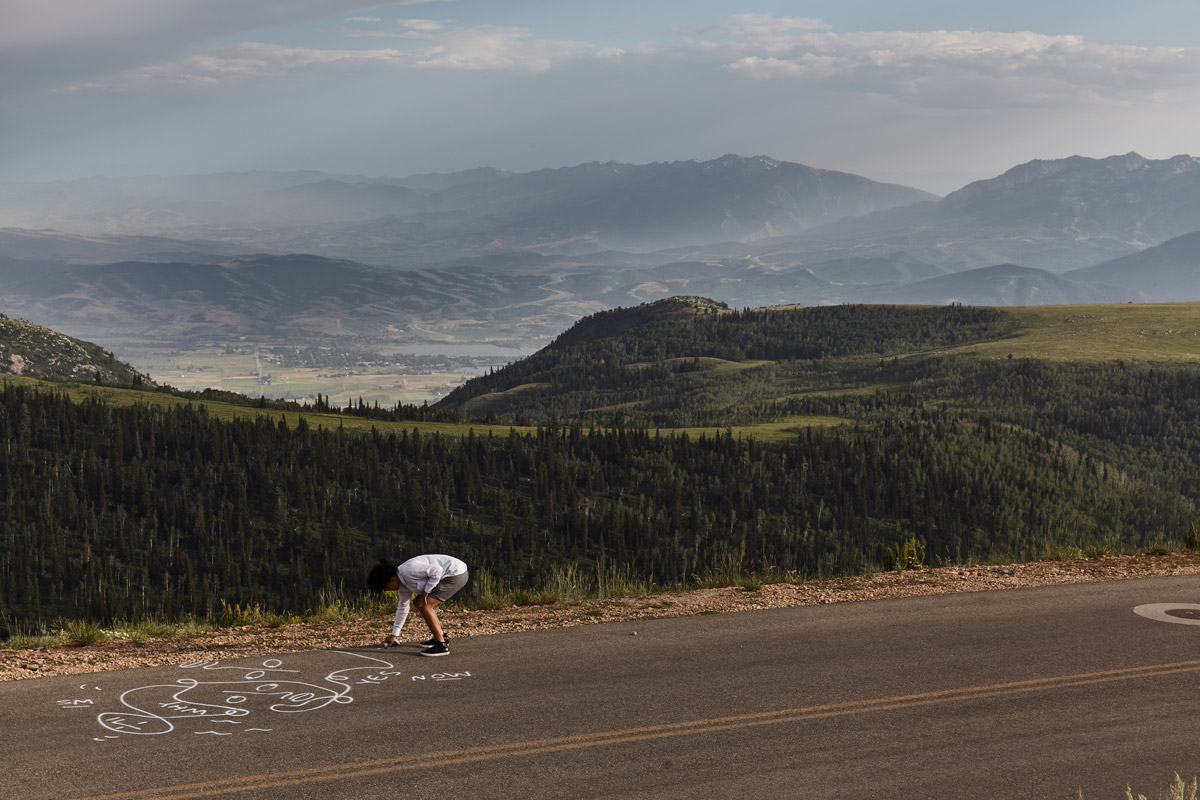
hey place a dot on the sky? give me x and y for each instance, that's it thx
(932, 94)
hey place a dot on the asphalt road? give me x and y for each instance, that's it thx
(1034, 693)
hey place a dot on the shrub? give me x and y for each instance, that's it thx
(83, 632)
(487, 593)
(909, 555)
(1176, 791)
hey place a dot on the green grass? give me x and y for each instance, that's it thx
(848, 391)
(766, 431)
(487, 400)
(717, 366)
(1093, 333)
(331, 608)
(566, 584)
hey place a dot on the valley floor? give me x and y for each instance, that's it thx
(249, 641)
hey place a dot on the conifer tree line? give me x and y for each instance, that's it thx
(141, 510)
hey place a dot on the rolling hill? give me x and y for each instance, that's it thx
(34, 351)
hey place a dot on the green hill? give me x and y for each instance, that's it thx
(691, 361)
(28, 349)
(678, 441)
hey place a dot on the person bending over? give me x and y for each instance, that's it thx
(427, 581)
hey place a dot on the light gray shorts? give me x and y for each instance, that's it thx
(447, 586)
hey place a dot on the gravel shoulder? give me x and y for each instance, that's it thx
(251, 641)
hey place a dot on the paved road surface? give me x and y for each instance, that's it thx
(1036, 693)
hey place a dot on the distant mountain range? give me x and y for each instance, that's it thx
(487, 253)
(1056, 215)
(294, 296)
(433, 218)
(312, 298)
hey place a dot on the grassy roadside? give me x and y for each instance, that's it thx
(491, 608)
(1177, 790)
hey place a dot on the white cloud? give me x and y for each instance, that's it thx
(50, 43)
(503, 48)
(425, 25)
(359, 34)
(790, 87)
(484, 47)
(970, 67)
(364, 19)
(765, 31)
(248, 60)
(33, 24)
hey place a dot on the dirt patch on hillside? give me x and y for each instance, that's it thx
(251, 641)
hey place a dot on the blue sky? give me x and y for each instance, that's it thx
(932, 94)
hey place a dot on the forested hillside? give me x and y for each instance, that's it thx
(666, 356)
(147, 510)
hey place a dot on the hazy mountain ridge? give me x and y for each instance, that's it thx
(1003, 285)
(1058, 215)
(254, 295)
(302, 296)
(439, 217)
(1168, 272)
(1129, 198)
(51, 247)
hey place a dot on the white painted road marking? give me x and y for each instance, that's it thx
(1178, 613)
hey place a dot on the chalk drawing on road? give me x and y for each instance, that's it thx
(215, 694)
(1178, 613)
(86, 703)
(443, 676)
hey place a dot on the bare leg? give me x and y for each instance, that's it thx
(431, 618)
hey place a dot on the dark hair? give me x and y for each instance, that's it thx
(379, 575)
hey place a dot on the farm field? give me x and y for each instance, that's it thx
(229, 411)
(255, 371)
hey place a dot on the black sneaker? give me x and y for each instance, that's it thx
(438, 649)
(431, 642)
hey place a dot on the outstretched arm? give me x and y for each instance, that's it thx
(403, 598)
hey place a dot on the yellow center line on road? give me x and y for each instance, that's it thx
(579, 741)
